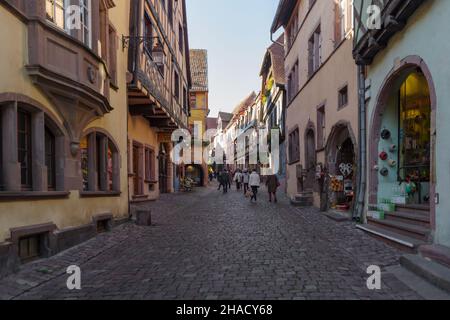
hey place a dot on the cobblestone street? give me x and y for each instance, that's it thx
(206, 245)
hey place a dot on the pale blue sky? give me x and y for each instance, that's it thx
(236, 34)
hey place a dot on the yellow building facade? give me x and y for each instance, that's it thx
(63, 128)
(199, 96)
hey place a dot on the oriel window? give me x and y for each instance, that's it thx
(85, 6)
(55, 12)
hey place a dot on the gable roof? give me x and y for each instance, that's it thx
(211, 123)
(225, 116)
(244, 104)
(276, 55)
(284, 12)
(199, 69)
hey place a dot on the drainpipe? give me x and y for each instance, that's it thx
(362, 173)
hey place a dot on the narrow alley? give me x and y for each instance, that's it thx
(216, 246)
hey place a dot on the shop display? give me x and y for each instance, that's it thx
(392, 163)
(385, 134)
(383, 155)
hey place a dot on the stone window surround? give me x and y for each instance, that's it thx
(41, 119)
(105, 137)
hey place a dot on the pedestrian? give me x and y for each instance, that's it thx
(230, 179)
(272, 184)
(237, 178)
(210, 176)
(225, 180)
(219, 179)
(245, 180)
(254, 182)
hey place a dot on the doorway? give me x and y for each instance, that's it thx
(163, 169)
(310, 159)
(138, 178)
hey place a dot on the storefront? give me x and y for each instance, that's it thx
(342, 167)
(195, 172)
(402, 151)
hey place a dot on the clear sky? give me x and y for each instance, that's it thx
(236, 34)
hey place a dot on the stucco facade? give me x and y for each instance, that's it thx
(66, 205)
(318, 66)
(418, 46)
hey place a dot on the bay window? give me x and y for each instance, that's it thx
(55, 12)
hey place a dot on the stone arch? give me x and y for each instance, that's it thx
(339, 127)
(399, 71)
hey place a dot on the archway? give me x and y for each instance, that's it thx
(310, 158)
(402, 137)
(341, 158)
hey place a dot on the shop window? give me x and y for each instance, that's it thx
(415, 124)
(99, 163)
(24, 148)
(30, 247)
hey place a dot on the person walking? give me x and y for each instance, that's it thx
(230, 179)
(245, 180)
(272, 184)
(225, 180)
(237, 178)
(254, 182)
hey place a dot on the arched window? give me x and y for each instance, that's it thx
(31, 143)
(99, 163)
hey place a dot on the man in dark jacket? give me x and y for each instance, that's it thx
(224, 180)
(272, 186)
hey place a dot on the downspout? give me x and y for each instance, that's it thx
(362, 173)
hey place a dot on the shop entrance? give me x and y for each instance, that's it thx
(402, 150)
(195, 172)
(415, 138)
(342, 168)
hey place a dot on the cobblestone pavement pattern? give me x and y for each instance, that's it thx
(206, 245)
